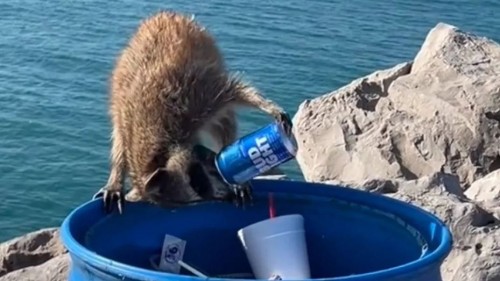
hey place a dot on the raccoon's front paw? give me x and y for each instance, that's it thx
(286, 122)
(242, 194)
(112, 195)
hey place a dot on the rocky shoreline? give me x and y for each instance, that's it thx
(425, 132)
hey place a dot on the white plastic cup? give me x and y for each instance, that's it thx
(277, 246)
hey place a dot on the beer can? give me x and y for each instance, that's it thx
(255, 154)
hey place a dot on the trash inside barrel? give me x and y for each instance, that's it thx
(338, 234)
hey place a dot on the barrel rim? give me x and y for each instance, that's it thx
(116, 268)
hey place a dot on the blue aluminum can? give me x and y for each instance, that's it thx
(255, 154)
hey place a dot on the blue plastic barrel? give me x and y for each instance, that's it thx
(351, 235)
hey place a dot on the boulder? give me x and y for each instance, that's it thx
(486, 191)
(32, 249)
(426, 132)
(55, 269)
(440, 112)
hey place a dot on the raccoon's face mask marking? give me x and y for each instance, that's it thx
(166, 187)
(205, 177)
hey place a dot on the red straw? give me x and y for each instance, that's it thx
(272, 209)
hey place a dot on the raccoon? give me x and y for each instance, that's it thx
(169, 86)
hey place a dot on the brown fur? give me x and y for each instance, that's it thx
(169, 84)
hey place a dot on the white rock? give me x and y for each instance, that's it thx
(485, 189)
(31, 249)
(421, 133)
(55, 269)
(440, 113)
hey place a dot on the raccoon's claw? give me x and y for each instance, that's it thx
(243, 194)
(98, 194)
(286, 122)
(112, 196)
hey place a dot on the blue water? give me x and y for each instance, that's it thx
(56, 56)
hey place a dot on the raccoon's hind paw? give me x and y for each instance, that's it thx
(111, 196)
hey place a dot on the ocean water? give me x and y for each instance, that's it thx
(56, 57)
